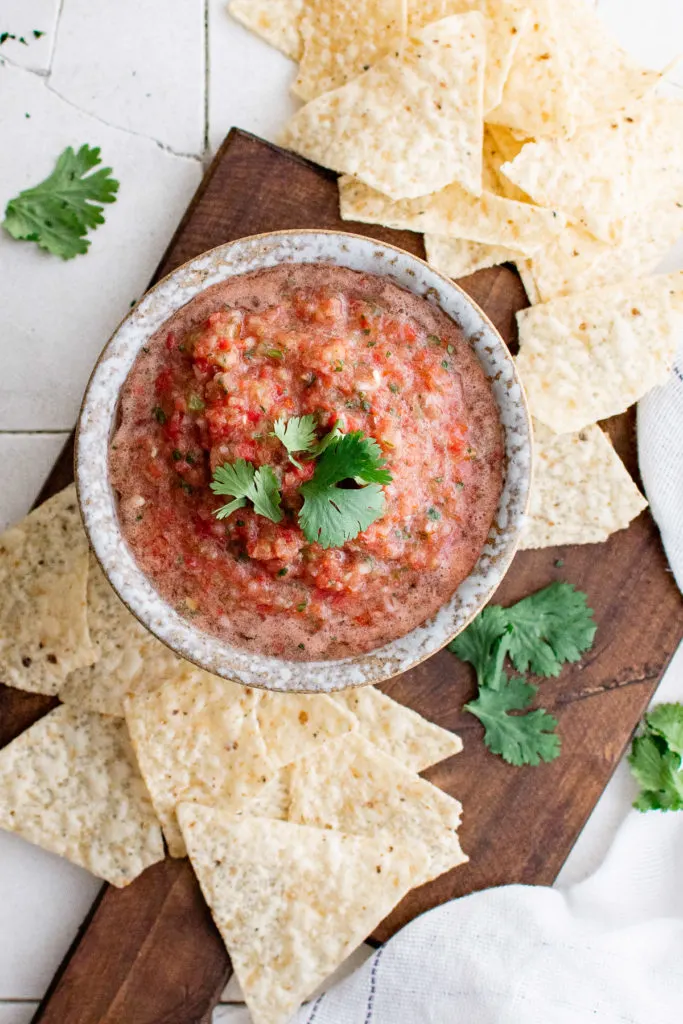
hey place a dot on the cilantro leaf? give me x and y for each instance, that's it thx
(332, 515)
(656, 760)
(476, 643)
(518, 739)
(297, 434)
(57, 213)
(550, 627)
(326, 441)
(667, 721)
(242, 481)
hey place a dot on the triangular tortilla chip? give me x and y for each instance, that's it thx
(276, 21)
(602, 175)
(294, 724)
(351, 786)
(458, 257)
(455, 213)
(343, 39)
(536, 94)
(271, 800)
(71, 785)
(411, 124)
(604, 78)
(290, 902)
(592, 354)
(581, 493)
(130, 659)
(43, 577)
(397, 730)
(198, 739)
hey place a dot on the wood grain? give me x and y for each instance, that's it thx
(150, 953)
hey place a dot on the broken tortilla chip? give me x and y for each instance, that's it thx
(198, 738)
(351, 786)
(291, 903)
(71, 785)
(397, 730)
(582, 492)
(43, 578)
(129, 658)
(412, 123)
(275, 21)
(453, 212)
(592, 354)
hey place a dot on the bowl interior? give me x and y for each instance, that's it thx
(98, 419)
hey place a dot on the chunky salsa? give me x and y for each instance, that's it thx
(353, 350)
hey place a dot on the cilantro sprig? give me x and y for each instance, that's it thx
(297, 434)
(331, 514)
(57, 213)
(242, 481)
(656, 760)
(542, 632)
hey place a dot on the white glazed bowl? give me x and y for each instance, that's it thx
(98, 501)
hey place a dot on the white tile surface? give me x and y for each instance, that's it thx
(26, 460)
(43, 901)
(249, 81)
(221, 1015)
(136, 64)
(55, 316)
(20, 18)
(17, 1013)
(652, 30)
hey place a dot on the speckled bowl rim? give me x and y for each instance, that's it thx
(98, 502)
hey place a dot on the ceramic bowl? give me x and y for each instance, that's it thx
(99, 503)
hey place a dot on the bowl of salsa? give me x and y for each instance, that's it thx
(303, 460)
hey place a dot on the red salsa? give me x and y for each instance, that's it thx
(353, 350)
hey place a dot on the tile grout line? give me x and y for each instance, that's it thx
(53, 48)
(207, 76)
(29, 432)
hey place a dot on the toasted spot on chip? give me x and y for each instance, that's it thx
(413, 122)
(585, 357)
(582, 492)
(70, 784)
(291, 903)
(351, 786)
(397, 730)
(198, 738)
(43, 577)
(130, 659)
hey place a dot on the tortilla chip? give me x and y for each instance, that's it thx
(271, 800)
(43, 577)
(276, 21)
(411, 124)
(602, 175)
(129, 658)
(604, 78)
(525, 269)
(501, 146)
(591, 355)
(582, 492)
(576, 260)
(397, 730)
(294, 724)
(290, 902)
(458, 257)
(71, 785)
(454, 213)
(351, 786)
(343, 39)
(536, 94)
(198, 739)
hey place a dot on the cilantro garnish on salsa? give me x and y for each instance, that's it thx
(298, 470)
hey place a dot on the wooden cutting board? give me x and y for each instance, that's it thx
(150, 954)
